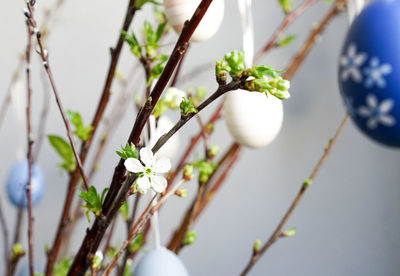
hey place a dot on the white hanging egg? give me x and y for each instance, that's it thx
(178, 11)
(253, 119)
(160, 262)
(163, 125)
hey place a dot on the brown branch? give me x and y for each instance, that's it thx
(112, 201)
(289, 18)
(276, 234)
(178, 70)
(30, 143)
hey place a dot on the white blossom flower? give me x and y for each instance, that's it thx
(174, 96)
(375, 73)
(352, 63)
(377, 113)
(148, 175)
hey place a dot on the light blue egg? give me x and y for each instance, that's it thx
(369, 71)
(160, 262)
(17, 181)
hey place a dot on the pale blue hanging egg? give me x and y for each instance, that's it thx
(17, 181)
(160, 262)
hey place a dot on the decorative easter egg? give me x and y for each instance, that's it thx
(369, 72)
(159, 128)
(160, 262)
(253, 119)
(178, 11)
(17, 181)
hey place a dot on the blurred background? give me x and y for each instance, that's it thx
(347, 223)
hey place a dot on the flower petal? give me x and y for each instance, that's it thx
(359, 59)
(387, 120)
(133, 165)
(158, 183)
(372, 102)
(386, 106)
(147, 157)
(162, 165)
(372, 123)
(386, 69)
(355, 74)
(364, 112)
(143, 184)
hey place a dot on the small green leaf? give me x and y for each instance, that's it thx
(124, 210)
(206, 169)
(187, 107)
(257, 245)
(83, 132)
(61, 269)
(286, 41)
(190, 238)
(307, 182)
(290, 232)
(137, 243)
(139, 3)
(235, 61)
(286, 5)
(93, 201)
(129, 151)
(64, 149)
(133, 43)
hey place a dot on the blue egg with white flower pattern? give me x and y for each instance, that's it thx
(369, 71)
(17, 181)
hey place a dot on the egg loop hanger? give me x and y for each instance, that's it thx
(246, 17)
(354, 7)
(18, 103)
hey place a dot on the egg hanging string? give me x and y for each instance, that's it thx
(246, 17)
(154, 219)
(354, 7)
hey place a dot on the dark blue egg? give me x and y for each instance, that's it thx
(369, 71)
(17, 181)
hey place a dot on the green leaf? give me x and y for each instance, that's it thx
(190, 238)
(133, 43)
(206, 169)
(160, 30)
(140, 3)
(62, 268)
(129, 151)
(235, 61)
(83, 132)
(290, 232)
(187, 107)
(93, 201)
(286, 5)
(124, 210)
(286, 41)
(137, 243)
(64, 149)
(257, 245)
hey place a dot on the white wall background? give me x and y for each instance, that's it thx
(348, 221)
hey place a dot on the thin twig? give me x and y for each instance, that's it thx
(289, 18)
(13, 262)
(30, 143)
(115, 54)
(276, 234)
(313, 38)
(144, 218)
(4, 229)
(175, 242)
